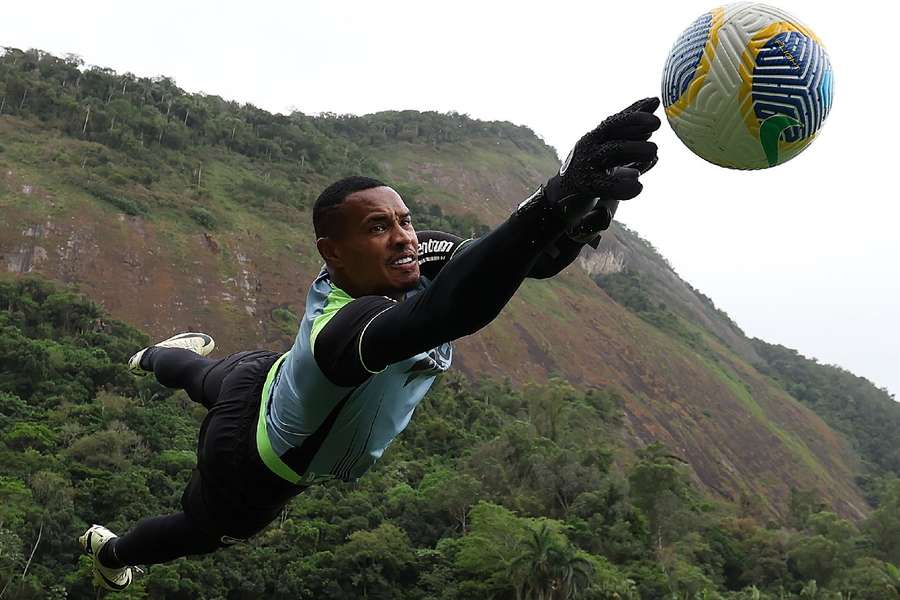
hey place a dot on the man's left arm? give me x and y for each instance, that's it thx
(436, 248)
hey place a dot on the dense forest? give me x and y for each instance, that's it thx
(140, 114)
(492, 492)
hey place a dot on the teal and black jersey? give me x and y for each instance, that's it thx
(360, 366)
(328, 412)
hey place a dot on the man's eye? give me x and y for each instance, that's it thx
(377, 228)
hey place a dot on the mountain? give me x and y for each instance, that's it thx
(176, 211)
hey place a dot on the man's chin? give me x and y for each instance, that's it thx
(406, 284)
(411, 284)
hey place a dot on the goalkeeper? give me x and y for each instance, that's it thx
(376, 331)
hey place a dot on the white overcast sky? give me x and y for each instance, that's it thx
(804, 255)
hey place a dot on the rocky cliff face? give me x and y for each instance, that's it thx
(622, 249)
(742, 434)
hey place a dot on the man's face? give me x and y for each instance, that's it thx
(374, 247)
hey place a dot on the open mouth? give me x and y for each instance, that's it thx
(405, 262)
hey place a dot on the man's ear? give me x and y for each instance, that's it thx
(329, 251)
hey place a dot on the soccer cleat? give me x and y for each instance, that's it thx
(200, 343)
(106, 577)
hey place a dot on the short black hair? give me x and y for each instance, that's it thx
(332, 196)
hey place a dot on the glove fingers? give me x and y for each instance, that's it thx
(620, 189)
(628, 126)
(636, 122)
(647, 105)
(624, 153)
(628, 193)
(645, 166)
(598, 219)
(621, 183)
(625, 173)
(606, 162)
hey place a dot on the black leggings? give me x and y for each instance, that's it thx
(161, 539)
(158, 540)
(182, 369)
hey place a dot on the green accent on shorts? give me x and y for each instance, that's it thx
(263, 445)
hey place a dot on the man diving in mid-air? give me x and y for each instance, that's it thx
(376, 332)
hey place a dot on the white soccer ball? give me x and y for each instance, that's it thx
(747, 86)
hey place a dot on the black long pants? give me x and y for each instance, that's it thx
(231, 495)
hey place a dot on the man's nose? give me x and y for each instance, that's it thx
(404, 236)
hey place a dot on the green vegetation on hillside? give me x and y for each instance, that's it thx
(656, 257)
(146, 148)
(143, 127)
(492, 492)
(141, 113)
(628, 289)
(867, 415)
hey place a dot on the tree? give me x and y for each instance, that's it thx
(112, 448)
(815, 558)
(11, 558)
(546, 404)
(452, 492)
(374, 563)
(15, 500)
(23, 363)
(868, 579)
(12, 410)
(883, 526)
(765, 557)
(660, 488)
(603, 521)
(548, 568)
(607, 581)
(30, 435)
(803, 504)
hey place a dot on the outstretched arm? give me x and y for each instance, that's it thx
(372, 332)
(471, 289)
(436, 248)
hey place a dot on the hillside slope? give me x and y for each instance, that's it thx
(209, 234)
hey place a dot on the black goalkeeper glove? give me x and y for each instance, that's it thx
(601, 169)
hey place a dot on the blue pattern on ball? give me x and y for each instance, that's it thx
(825, 88)
(684, 58)
(792, 77)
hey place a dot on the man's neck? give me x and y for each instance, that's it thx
(341, 282)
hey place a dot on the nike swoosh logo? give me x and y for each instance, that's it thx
(770, 133)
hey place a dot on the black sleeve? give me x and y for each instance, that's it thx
(436, 248)
(468, 293)
(336, 348)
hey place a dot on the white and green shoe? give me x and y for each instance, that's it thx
(200, 343)
(111, 579)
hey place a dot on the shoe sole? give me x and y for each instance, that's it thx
(134, 363)
(100, 579)
(109, 584)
